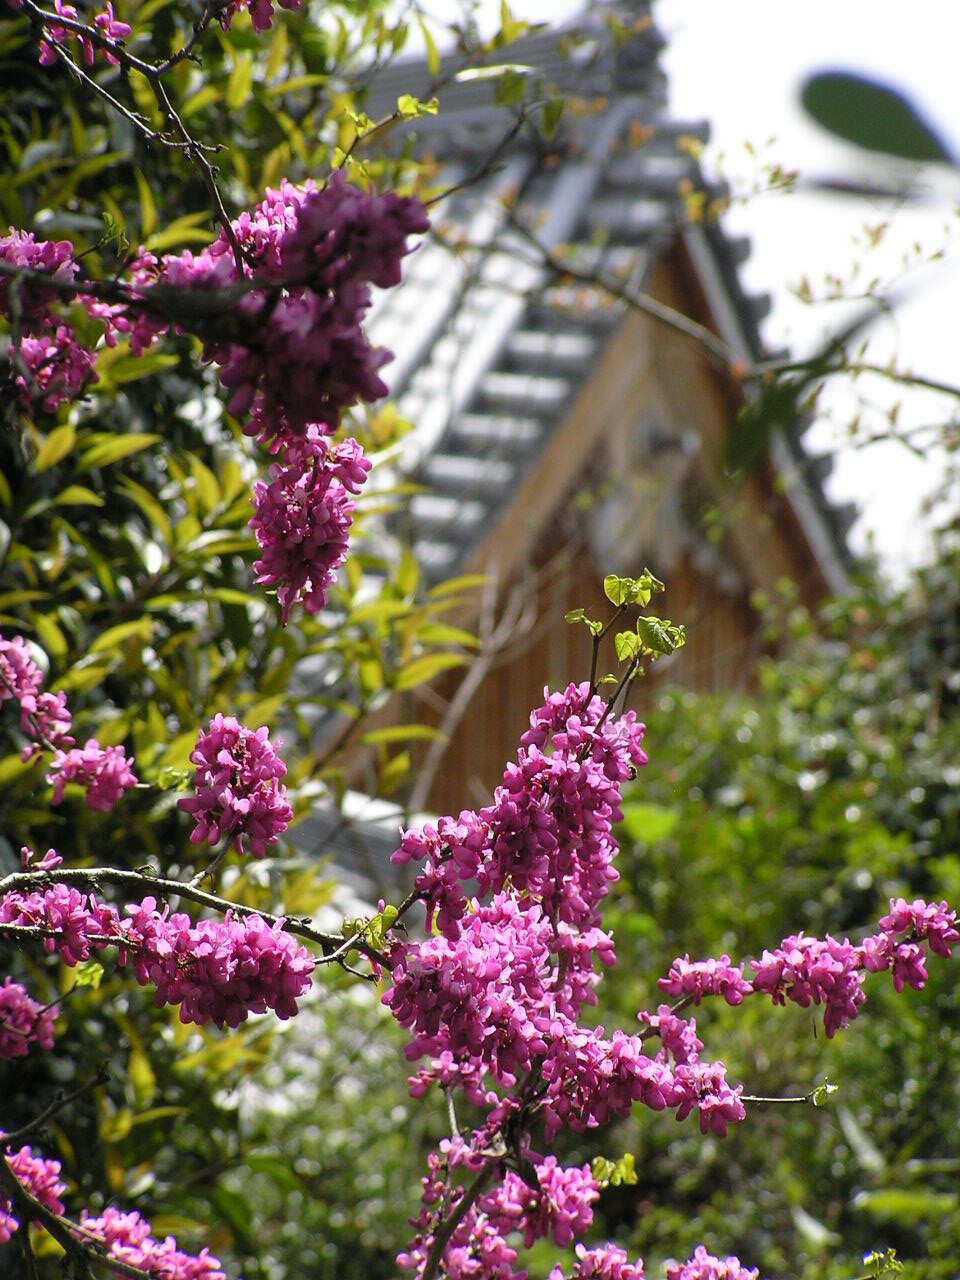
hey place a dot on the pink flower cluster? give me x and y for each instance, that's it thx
(824, 971)
(294, 350)
(54, 33)
(498, 990)
(237, 790)
(706, 978)
(23, 1021)
(40, 1177)
(103, 772)
(53, 363)
(217, 971)
(127, 1238)
(549, 831)
(303, 516)
(291, 351)
(608, 1262)
(704, 1266)
(555, 1202)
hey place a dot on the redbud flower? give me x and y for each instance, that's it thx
(23, 1021)
(238, 792)
(104, 772)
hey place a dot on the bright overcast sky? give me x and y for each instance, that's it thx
(740, 65)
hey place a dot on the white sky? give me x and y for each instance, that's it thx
(740, 65)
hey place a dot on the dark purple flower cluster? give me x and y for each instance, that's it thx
(303, 515)
(261, 12)
(23, 1021)
(294, 351)
(237, 791)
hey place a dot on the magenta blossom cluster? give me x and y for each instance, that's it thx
(38, 1176)
(294, 349)
(105, 23)
(104, 772)
(23, 1021)
(127, 1238)
(217, 971)
(549, 831)
(288, 338)
(50, 363)
(493, 999)
(607, 1262)
(826, 971)
(238, 793)
(704, 1266)
(303, 515)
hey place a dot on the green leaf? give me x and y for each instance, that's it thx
(131, 368)
(627, 645)
(401, 733)
(277, 53)
(660, 635)
(148, 504)
(77, 495)
(88, 973)
(872, 115)
(424, 668)
(50, 635)
(464, 582)
(111, 448)
(56, 446)
(148, 209)
(410, 107)
(113, 637)
(142, 1077)
(444, 633)
(240, 84)
(204, 97)
(900, 1204)
(433, 57)
(648, 823)
(550, 114)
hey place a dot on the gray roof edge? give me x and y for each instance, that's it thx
(736, 333)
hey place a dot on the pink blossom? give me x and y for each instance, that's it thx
(699, 978)
(303, 516)
(237, 790)
(104, 772)
(23, 1021)
(813, 970)
(607, 1262)
(128, 1239)
(20, 677)
(704, 1266)
(38, 1176)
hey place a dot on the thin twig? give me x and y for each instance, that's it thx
(61, 1101)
